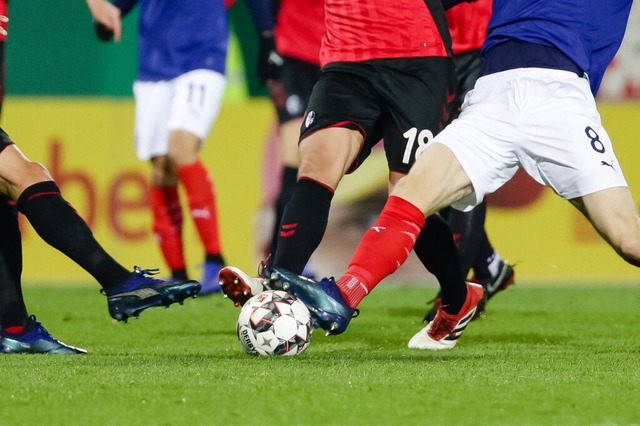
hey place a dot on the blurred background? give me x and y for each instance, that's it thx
(69, 106)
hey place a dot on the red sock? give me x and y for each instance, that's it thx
(202, 202)
(167, 224)
(384, 247)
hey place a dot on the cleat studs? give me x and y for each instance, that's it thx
(236, 304)
(225, 296)
(245, 293)
(327, 333)
(285, 286)
(236, 280)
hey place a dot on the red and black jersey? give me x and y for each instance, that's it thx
(468, 25)
(299, 29)
(360, 30)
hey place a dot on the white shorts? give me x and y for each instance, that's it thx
(190, 102)
(543, 120)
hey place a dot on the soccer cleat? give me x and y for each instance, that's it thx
(140, 292)
(210, 280)
(35, 339)
(431, 314)
(323, 298)
(445, 329)
(238, 286)
(504, 278)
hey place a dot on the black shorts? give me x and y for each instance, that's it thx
(5, 140)
(404, 101)
(467, 71)
(291, 93)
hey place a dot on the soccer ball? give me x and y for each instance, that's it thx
(274, 323)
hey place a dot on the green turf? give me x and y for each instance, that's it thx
(541, 355)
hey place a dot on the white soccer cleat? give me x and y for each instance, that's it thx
(445, 329)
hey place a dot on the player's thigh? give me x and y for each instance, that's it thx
(289, 136)
(614, 215)
(435, 181)
(196, 101)
(153, 106)
(343, 118)
(328, 154)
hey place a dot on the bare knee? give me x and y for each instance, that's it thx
(31, 173)
(629, 249)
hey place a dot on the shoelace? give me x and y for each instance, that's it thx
(440, 324)
(263, 264)
(145, 273)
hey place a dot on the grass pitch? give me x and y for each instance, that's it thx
(542, 355)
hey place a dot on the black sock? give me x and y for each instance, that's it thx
(61, 227)
(467, 228)
(215, 258)
(13, 311)
(303, 225)
(437, 251)
(485, 255)
(287, 183)
(179, 274)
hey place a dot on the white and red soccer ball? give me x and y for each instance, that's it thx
(274, 323)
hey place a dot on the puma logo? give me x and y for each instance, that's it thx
(604, 163)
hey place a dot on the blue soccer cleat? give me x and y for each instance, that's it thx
(35, 339)
(323, 298)
(210, 280)
(140, 292)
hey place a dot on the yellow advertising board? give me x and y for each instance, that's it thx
(87, 144)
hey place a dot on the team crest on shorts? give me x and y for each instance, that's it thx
(311, 115)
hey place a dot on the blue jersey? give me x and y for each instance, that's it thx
(588, 32)
(177, 36)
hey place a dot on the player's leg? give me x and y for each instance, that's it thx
(341, 111)
(489, 269)
(573, 154)
(13, 312)
(167, 215)
(459, 166)
(19, 332)
(291, 100)
(384, 247)
(325, 156)
(57, 223)
(196, 103)
(614, 215)
(153, 101)
(288, 153)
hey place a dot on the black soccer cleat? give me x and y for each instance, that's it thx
(140, 292)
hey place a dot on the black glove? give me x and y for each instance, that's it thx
(269, 61)
(103, 33)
